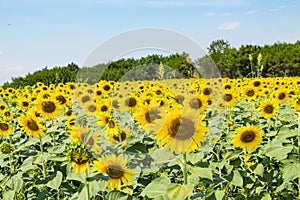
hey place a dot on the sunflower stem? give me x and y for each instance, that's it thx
(184, 169)
(87, 185)
(53, 134)
(11, 156)
(42, 155)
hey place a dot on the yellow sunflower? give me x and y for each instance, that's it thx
(150, 117)
(296, 103)
(123, 134)
(182, 133)
(48, 108)
(249, 93)
(31, 125)
(79, 157)
(196, 102)
(229, 98)
(268, 108)
(114, 167)
(5, 128)
(247, 137)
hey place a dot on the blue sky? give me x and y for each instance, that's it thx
(39, 33)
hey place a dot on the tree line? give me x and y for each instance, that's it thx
(276, 60)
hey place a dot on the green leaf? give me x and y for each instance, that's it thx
(56, 181)
(237, 179)
(202, 172)
(291, 171)
(179, 192)
(276, 150)
(157, 188)
(8, 195)
(219, 194)
(259, 170)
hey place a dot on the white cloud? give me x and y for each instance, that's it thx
(209, 14)
(227, 14)
(229, 26)
(277, 8)
(251, 12)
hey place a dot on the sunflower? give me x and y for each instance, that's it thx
(7, 115)
(129, 103)
(90, 109)
(123, 134)
(247, 137)
(3, 107)
(268, 108)
(182, 133)
(282, 95)
(24, 103)
(48, 108)
(5, 128)
(31, 125)
(296, 103)
(249, 93)
(79, 157)
(150, 117)
(115, 167)
(229, 98)
(196, 102)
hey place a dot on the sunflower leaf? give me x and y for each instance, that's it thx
(276, 150)
(157, 188)
(237, 179)
(178, 192)
(291, 171)
(202, 172)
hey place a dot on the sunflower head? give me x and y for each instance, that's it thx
(79, 156)
(115, 168)
(247, 137)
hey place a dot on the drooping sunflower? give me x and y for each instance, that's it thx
(80, 157)
(182, 133)
(48, 108)
(31, 125)
(247, 137)
(115, 167)
(268, 108)
(5, 128)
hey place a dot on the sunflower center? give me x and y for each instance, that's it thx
(181, 129)
(25, 104)
(195, 103)
(114, 172)
(106, 87)
(269, 109)
(207, 91)
(247, 136)
(111, 124)
(256, 83)
(80, 160)
(48, 106)
(2, 107)
(104, 108)
(91, 141)
(123, 136)
(281, 96)
(115, 103)
(61, 99)
(92, 108)
(152, 115)
(250, 93)
(227, 97)
(4, 126)
(85, 99)
(130, 102)
(227, 86)
(298, 102)
(32, 125)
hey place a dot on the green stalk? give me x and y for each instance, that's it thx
(87, 185)
(184, 169)
(11, 156)
(42, 152)
(53, 134)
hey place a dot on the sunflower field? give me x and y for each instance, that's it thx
(179, 139)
